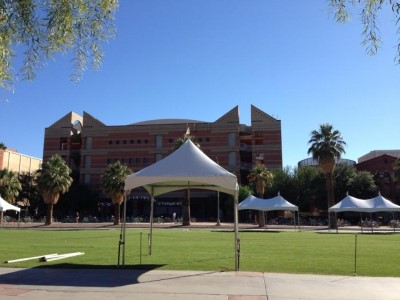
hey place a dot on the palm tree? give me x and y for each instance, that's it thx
(52, 180)
(186, 200)
(262, 178)
(9, 185)
(327, 146)
(113, 183)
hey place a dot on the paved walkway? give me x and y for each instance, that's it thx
(41, 283)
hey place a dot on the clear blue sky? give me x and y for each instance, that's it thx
(198, 59)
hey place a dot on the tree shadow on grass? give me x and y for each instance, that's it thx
(77, 275)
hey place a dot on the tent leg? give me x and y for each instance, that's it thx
(337, 225)
(237, 240)
(151, 223)
(124, 231)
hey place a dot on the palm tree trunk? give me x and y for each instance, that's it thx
(330, 197)
(261, 219)
(116, 214)
(186, 209)
(49, 216)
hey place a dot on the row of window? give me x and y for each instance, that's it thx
(130, 161)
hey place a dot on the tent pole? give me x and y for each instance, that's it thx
(124, 231)
(218, 220)
(151, 220)
(237, 240)
(337, 225)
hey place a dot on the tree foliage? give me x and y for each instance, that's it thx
(52, 180)
(113, 183)
(37, 30)
(9, 185)
(370, 9)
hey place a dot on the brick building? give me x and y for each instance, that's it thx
(89, 146)
(380, 164)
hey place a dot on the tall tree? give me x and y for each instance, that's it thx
(40, 29)
(2, 146)
(262, 178)
(327, 146)
(370, 10)
(113, 183)
(186, 199)
(52, 180)
(9, 185)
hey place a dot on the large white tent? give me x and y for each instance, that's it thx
(275, 203)
(377, 204)
(186, 168)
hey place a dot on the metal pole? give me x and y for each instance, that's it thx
(151, 220)
(237, 249)
(355, 254)
(140, 248)
(337, 225)
(124, 231)
(218, 220)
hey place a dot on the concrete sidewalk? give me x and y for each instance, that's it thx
(99, 284)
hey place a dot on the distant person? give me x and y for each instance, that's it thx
(174, 217)
(77, 217)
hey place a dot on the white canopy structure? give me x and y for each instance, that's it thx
(377, 204)
(275, 203)
(185, 168)
(4, 206)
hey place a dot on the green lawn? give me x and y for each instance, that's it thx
(182, 249)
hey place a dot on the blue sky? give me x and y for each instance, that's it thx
(198, 59)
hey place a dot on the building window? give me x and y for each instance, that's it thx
(170, 140)
(232, 159)
(117, 142)
(138, 141)
(124, 141)
(87, 161)
(63, 143)
(207, 140)
(110, 142)
(132, 141)
(138, 160)
(232, 139)
(88, 144)
(146, 160)
(87, 179)
(158, 141)
(157, 157)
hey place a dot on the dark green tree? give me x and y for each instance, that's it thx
(10, 186)
(52, 180)
(262, 179)
(113, 183)
(327, 146)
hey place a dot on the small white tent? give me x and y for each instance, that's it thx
(185, 168)
(275, 203)
(4, 206)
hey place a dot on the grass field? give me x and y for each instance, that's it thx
(183, 249)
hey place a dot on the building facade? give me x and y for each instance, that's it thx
(89, 146)
(20, 163)
(380, 163)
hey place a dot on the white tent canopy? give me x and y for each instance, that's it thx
(186, 167)
(377, 204)
(4, 206)
(275, 203)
